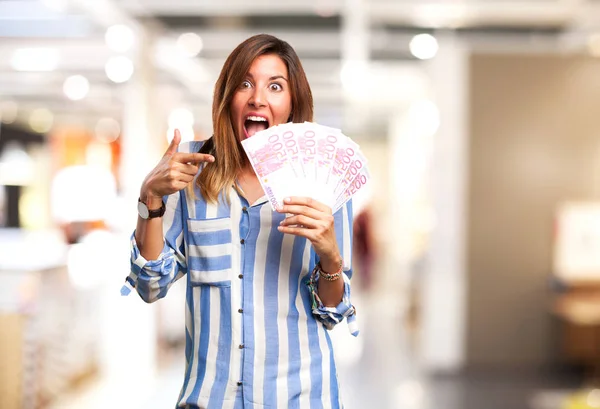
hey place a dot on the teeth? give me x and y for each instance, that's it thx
(256, 118)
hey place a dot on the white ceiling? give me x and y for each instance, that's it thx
(318, 30)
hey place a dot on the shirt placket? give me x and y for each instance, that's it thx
(246, 283)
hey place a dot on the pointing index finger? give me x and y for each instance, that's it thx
(193, 157)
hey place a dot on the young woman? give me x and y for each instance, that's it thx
(261, 288)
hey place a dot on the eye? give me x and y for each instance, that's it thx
(275, 87)
(246, 84)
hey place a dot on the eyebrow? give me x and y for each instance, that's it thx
(274, 77)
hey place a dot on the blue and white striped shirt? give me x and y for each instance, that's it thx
(253, 339)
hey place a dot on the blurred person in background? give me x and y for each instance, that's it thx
(364, 246)
(262, 288)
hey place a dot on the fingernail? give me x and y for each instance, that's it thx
(211, 158)
(287, 200)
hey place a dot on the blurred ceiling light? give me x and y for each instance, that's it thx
(593, 398)
(594, 45)
(119, 69)
(449, 14)
(355, 79)
(325, 8)
(99, 154)
(424, 117)
(82, 193)
(76, 87)
(424, 46)
(8, 111)
(41, 120)
(58, 5)
(411, 394)
(107, 130)
(182, 119)
(190, 44)
(35, 59)
(119, 38)
(16, 166)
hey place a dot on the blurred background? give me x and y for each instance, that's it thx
(477, 242)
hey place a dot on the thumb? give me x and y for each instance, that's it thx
(172, 149)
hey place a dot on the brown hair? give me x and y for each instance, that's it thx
(229, 155)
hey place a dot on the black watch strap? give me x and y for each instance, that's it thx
(156, 212)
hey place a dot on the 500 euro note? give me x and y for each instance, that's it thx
(267, 155)
(354, 169)
(326, 141)
(344, 155)
(307, 144)
(357, 184)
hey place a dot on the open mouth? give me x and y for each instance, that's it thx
(254, 124)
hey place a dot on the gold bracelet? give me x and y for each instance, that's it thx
(327, 276)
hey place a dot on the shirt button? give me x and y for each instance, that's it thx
(241, 276)
(242, 241)
(241, 310)
(239, 383)
(244, 209)
(241, 346)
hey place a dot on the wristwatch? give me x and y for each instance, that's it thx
(146, 213)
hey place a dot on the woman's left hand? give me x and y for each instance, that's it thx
(313, 220)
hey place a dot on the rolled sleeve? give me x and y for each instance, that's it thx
(151, 278)
(161, 266)
(331, 316)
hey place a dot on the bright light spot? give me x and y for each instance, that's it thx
(410, 395)
(82, 193)
(93, 246)
(41, 120)
(355, 79)
(16, 166)
(182, 119)
(107, 130)
(424, 46)
(99, 154)
(190, 44)
(119, 69)
(35, 59)
(446, 14)
(119, 38)
(76, 87)
(32, 214)
(593, 398)
(424, 117)
(594, 45)
(8, 111)
(325, 8)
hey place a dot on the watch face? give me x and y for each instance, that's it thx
(143, 210)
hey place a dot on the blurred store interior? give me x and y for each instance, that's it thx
(478, 282)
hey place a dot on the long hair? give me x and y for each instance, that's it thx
(218, 177)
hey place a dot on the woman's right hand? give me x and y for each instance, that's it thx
(174, 171)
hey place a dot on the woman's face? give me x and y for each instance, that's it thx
(263, 99)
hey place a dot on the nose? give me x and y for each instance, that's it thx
(258, 98)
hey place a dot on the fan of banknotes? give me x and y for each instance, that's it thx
(307, 159)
